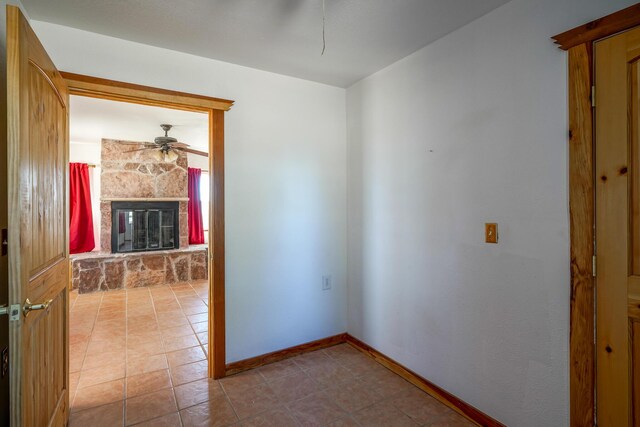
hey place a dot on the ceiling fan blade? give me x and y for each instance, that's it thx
(141, 149)
(179, 145)
(192, 151)
(119, 141)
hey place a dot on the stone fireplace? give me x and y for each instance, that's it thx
(139, 244)
(139, 177)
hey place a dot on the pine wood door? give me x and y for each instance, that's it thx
(617, 112)
(38, 251)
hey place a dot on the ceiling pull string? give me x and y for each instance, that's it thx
(324, 41)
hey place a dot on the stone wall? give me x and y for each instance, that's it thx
(102, 272)
(138, 175)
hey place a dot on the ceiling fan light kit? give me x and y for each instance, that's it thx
(171, 156)
(161, 156)
(165, 156)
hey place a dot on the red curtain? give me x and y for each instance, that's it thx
(196, 231)
(80, 215)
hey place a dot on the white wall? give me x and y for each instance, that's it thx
(285, 184)
(196, 161)
(470, 129)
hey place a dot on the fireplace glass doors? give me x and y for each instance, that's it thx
(144, 226)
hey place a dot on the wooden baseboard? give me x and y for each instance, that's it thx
(254, 362)
(427, 386)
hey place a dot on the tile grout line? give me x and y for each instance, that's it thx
(170, 368)
(286, 406)
(187, 316)
(86, 350)
(164, 352)
(304, 369)
(100, 303)
(350, 414)
(228, 399)
(206, 358)
(126, 303)
(191, 324)
(207, 321)
(126, 355)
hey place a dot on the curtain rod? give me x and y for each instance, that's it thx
(90, 165)
(93, 165)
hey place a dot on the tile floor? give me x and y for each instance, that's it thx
(138, 357)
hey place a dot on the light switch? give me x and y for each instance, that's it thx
(491, 232)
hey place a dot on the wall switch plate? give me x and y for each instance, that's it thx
(326, 283)
(491, 232)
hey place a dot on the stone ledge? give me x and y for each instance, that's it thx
(144, 199)
(103, 254)
(102, 271)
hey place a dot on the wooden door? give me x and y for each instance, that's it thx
(617, 112)
(38, 250)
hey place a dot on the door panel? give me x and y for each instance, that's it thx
(617, 229)
(38, 248)
(47, 148)
(4, 262)
(635, 338)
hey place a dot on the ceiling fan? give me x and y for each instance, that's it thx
(167, 147)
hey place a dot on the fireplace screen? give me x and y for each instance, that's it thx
(144, 226)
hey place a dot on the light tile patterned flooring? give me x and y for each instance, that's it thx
(138, 357)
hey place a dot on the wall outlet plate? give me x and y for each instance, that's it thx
(326, 283)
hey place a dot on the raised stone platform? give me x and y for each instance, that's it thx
(103, 271)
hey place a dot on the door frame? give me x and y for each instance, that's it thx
(215, 108)
(578, 42)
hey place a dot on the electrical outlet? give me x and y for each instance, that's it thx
(326, 283)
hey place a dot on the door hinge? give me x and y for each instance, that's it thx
(593, 96)
(5, 243)
(4, 361)
(593, 266)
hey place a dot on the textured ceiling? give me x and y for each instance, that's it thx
(283, 36)
(93, 119)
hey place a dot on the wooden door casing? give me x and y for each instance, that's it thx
(214, 107)
(38, 226)
(578, 42)
(617, 228)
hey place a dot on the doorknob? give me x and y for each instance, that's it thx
(28, 307)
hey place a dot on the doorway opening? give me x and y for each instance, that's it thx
(139, 276)
(147, 298)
